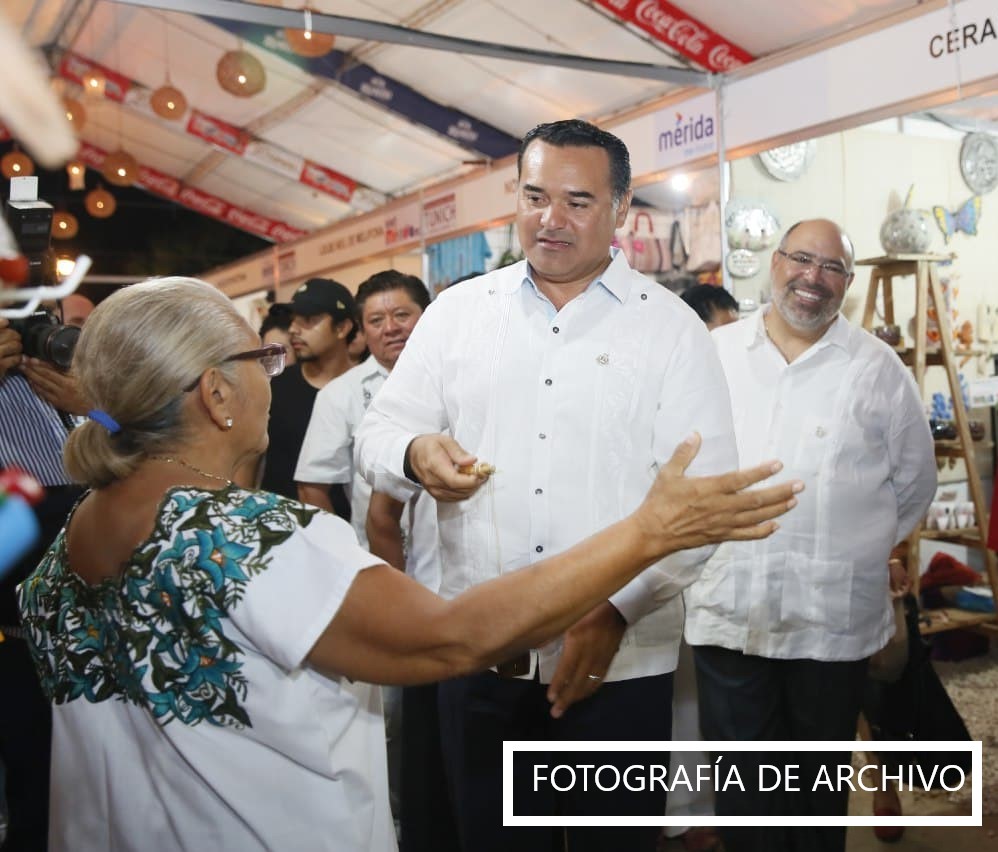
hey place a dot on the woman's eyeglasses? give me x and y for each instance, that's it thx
(272, 358)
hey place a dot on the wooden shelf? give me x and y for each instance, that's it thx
(950, 618)
(921, 273)
(887, 259)
(934, 357)
(968, 536)
(948, 449)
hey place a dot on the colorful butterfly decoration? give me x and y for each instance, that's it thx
(964, 219)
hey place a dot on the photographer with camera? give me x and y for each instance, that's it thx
(38, 398)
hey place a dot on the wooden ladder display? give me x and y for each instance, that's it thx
(928, 290)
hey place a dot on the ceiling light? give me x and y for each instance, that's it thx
(16, 164)
(94, 82)
(77, 173)
(241, 74)
(100, 203)
(64, 267)
(168, 102)
(680, 182)
(120, 168)
(307, 42)
(64, 225)
(75, 113)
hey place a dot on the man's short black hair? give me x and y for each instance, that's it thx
(575, 133)
(392, 279)
(706, 298)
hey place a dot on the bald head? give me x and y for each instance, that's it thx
(830, 229)
(76, 309)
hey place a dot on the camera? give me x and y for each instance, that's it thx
(43, 336)
(30, 221)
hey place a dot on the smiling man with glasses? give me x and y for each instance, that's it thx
(783, 630)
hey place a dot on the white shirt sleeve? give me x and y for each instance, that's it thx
(326, 453)
(912, 455)
(287, 606)
(694, 398)
(409, 404)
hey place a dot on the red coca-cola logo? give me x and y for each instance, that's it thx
(203, 202)
(721, 58)
(158, 182)
(246, 219)
(685, 33)
(285, 233)
(648, 12)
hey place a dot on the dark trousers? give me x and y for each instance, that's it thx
(25, 713)
(427, 818)
(744, 697)
(478, 712)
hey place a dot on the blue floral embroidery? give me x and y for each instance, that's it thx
(156, 637)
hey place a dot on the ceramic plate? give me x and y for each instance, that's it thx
(979, 162)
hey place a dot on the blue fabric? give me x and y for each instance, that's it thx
(31, 432)
(453, 259)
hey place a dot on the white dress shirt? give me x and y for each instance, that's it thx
(326, 457)
(576, 409)
(846, 418)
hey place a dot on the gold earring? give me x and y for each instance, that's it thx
(228, 422)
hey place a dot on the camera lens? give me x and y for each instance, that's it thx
(42, 336)
(60, 345)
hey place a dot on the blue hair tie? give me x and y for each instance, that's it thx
(105, 420)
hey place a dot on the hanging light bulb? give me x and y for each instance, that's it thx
(241, 74)
(16, 164)
(120, 168)
(168, 102)
(76, 172)
(75, 113)
(100, 203)
(64, 225)
(94, 82)
(306, 42)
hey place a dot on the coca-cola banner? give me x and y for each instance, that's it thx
(227, 137)
(74, 67)
(217, 132)
(681, 31)
(204, 203)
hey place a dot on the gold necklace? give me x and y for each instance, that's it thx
(189, 466)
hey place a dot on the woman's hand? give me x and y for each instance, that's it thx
(681, 512)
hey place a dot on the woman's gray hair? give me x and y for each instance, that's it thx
(139, 350)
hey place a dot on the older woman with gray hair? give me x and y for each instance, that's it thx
(204, 644)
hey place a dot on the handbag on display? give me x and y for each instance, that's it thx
(677, 278)
(916, 707)
(648, 252)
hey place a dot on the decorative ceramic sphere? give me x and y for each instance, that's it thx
(906, 231)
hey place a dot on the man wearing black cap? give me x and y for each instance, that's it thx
(323, 322)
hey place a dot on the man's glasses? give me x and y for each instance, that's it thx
(805, 260)
(272, 358)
